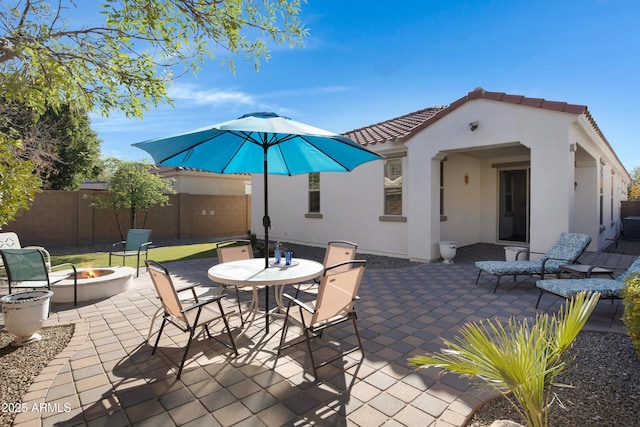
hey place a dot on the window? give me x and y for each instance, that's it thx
(441, 188)
(314, 192)
(393, 186)
(611, 196)
(601, 194)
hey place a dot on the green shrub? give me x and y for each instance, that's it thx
(519, 359)
(631, 316)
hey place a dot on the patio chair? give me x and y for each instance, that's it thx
(27, 269)
(569, 288)
(566, 250)
(10, 240)
(335, 304)
(138, 241)
(337, 252)
(187, 318)
(236, 250)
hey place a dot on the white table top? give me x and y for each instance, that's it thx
(252, 272)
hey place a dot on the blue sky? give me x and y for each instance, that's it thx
(366, 62)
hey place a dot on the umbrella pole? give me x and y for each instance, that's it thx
(266, 221)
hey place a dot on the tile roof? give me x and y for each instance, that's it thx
(404, 127)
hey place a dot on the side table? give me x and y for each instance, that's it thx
(585, 270)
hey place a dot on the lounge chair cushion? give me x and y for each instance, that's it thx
(565, 251)
(500, 268)
(608, 288)
(568, 288)
(633, 269)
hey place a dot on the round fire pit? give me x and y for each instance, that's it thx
(94, 283)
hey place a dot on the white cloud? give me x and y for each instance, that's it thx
(213, 97)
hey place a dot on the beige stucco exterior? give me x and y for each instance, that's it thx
(565, 154)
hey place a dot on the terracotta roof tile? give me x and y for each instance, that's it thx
(394, 129)
(404, 127)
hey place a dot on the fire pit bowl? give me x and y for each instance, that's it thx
(94, 283)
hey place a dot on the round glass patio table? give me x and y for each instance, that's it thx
(251, 272)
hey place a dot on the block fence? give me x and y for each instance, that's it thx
(67, 218)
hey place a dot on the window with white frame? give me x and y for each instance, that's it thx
(393, 186)
(601, 194)
(314, 192)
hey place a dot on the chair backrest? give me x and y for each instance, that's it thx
(234, 250)
(569, 247)
(166, 291)
(634, 269)
(136, 237)
(338, 252)
(9, 240)
(24, 265)
(338, 291)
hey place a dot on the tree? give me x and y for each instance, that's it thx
(634, 186)
(133, 186)
(518, 360)
(62, 146)
(122, 65)
(18, 186)
(127, 63)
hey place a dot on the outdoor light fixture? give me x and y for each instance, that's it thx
(473, 126)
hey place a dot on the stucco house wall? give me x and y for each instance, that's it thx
(558, 143)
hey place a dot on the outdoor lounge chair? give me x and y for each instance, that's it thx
(10, 240)
(138, 241)
(337, 252)
(569, 288)
(187, 318)
(335, 304)
(27, 269)
(566, 250)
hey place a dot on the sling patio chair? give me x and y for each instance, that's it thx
(236, 250)
(569, 288)
(27, 269)
(565, 251)
(190, 317)
(334, 305)
(138, 241)
(337, 252)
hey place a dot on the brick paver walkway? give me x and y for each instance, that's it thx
(107, 375)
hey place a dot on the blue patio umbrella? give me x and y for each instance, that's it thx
(259, 143)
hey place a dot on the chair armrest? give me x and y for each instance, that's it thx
(186, 288)
(116, 244)
(66, 264)
(203, 302)
(298, 303)
(146, 245)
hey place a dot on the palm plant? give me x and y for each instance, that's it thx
(517, 359)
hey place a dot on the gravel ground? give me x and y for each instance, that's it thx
(605, 380)
(19, 366)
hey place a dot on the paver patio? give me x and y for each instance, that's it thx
(107, 375)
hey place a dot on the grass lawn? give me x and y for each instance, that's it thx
(163, 255)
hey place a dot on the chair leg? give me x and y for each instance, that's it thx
(355, 326)
(539, 298)
(497, 283)
(138, 265)
(239, 306)
(313, 362)
(155, 346)
(186, 351)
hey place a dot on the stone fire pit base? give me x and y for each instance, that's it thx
(107, 282)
